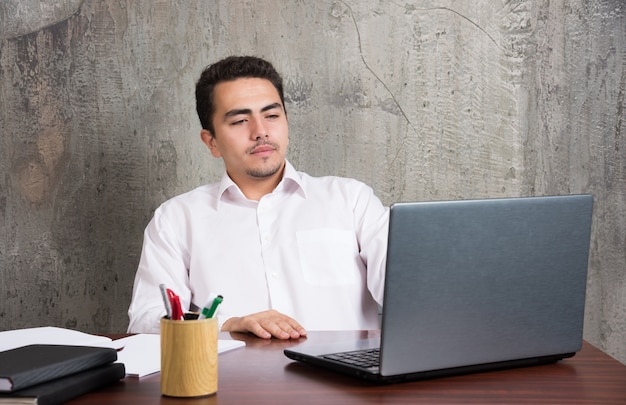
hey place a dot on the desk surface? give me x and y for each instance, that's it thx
(260, 373)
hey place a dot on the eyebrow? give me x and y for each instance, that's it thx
(247, 111)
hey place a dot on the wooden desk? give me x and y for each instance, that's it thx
(260, 374)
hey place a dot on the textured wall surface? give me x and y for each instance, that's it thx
(422, 100)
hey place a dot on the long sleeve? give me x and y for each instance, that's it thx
(162, 262)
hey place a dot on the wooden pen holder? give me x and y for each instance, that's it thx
(188, 357)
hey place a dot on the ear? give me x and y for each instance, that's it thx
(209, 141)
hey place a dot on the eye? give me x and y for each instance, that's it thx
(238, 122)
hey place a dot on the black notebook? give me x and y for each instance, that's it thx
(27, 366)
(63, 389)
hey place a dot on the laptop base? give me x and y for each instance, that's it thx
(422, 375)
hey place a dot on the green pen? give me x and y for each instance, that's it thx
(209, 312)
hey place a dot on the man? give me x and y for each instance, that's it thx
(284, 249)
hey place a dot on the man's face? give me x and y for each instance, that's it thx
(251, 133)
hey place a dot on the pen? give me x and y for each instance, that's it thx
(210, 312)
(166, 301)
(177, 310)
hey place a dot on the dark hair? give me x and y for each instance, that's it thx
(231, 68)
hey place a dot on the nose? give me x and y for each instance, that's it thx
(257, 128)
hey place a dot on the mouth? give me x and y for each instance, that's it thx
(263, 149)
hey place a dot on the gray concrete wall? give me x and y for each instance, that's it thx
(421, 99)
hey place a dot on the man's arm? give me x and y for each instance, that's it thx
(161, 262)
(372, 233)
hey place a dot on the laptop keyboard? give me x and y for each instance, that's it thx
(367, 358)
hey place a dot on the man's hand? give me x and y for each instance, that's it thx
(265, 325)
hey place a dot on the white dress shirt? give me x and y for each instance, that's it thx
(314, 249)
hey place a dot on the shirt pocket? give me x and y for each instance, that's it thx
(328, 256)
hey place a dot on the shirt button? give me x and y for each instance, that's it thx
(274, 274)
(266, 238)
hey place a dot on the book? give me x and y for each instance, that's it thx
(65, 388)
(30, 365)
(51, 335)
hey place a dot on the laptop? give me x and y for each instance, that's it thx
(473, 286)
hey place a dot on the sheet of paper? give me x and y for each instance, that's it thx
(141, 354)
(51, 335)
(226, 345)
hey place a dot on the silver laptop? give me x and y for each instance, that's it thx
(474, 285)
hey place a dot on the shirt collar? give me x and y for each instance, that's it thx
(291, 183)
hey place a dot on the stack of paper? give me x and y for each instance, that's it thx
(142, 353)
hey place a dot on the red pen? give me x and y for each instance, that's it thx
(177, 310)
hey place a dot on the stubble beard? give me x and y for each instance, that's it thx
(265, 171)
